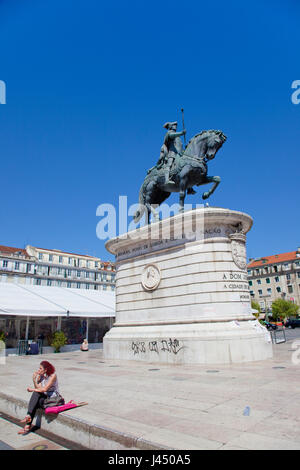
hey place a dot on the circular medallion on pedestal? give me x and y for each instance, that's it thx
(151, 277)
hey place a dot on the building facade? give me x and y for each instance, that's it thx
(47, 267)
(274, 277)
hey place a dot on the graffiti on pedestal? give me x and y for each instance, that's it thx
(172, 346)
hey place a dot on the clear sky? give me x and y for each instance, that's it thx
(90, 85)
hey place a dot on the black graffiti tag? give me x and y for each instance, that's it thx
(153, 346)
(171, 346)
(138, 347)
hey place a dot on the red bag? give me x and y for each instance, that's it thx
(67, 406)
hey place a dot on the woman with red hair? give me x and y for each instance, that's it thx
(45, 386)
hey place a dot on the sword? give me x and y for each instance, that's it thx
(182, 110)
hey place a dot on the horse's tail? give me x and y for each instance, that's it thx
(141, 210)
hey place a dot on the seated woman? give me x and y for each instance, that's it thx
(85, 345)
(45, 386)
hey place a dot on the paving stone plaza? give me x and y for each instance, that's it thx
(145, 406)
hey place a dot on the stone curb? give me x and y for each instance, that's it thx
(89, 436)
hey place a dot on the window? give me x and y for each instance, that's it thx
(298, 274)
(40, 256)
(276, 279)
(278, 289)
(69, 284)
(275, 269)
(5, 263)
(59, 271)
(51, 258)
(70, 260)
(17, 265)
(260, 291)
(257, 272)
(69, 272)
(38, 282)
(96, 264)
(104, 287)
(78, 285)
(87, 275)
(288, 276)
(87, 264)
(60, 259)
(268, 280)
(28, 268)
(87, 286)
(49, 283)
(78, 274)
(269, 290)
(59, 283)
(290, 289)
(249, 272)
(258, 281)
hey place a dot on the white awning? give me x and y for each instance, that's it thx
(42, 301)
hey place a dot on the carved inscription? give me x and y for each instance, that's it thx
(180, 239)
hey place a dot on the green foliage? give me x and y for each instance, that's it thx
(255, 306)
(2, 336)
(59, 339)
(283, 308)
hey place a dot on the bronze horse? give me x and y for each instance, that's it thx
(189, 169)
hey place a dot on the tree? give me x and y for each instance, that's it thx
(59, 340)
(255, 306)
(283, 308)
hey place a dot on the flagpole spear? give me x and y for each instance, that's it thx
(182, 110)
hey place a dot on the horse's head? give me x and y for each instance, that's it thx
(206, 144)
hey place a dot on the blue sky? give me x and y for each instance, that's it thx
(90, 85)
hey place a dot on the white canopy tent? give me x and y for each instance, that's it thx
(18, 299)
(41, 301)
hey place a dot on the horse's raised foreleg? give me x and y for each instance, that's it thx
(211, 179)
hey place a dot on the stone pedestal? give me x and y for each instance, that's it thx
(182, 293)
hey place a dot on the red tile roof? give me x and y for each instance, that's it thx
(12, 250)
(9, 250)
(273, 259)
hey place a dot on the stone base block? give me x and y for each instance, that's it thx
(194, 343)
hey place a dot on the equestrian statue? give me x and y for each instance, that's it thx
(179, 169)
